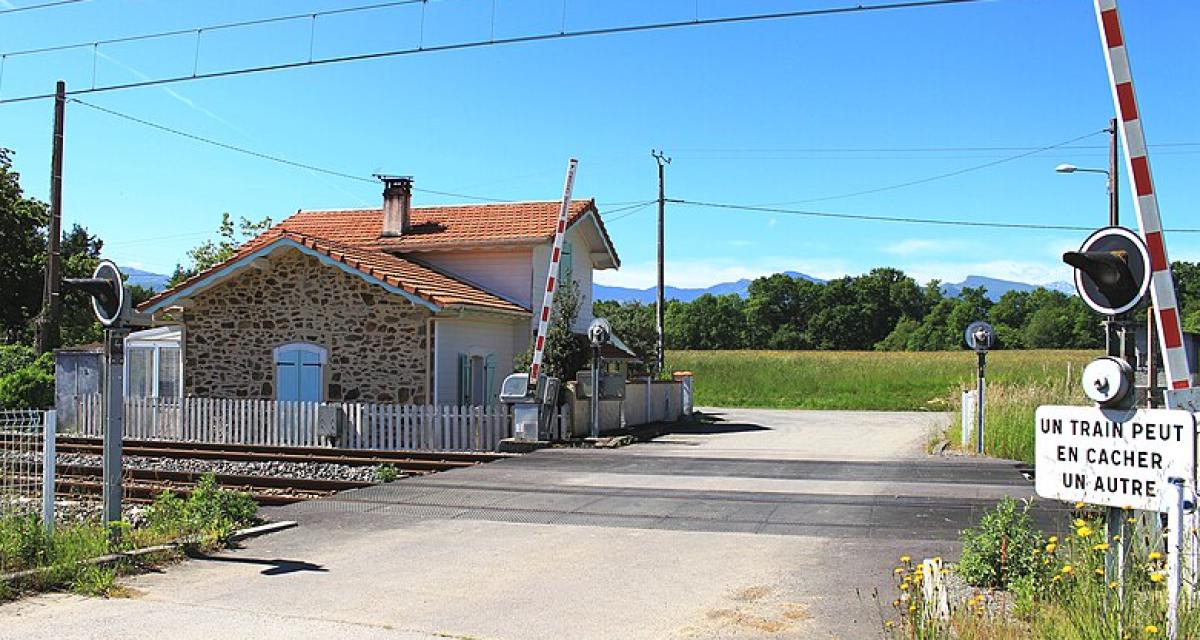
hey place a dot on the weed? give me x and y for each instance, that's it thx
(386, 473)
(95, 581)
(1002, 548)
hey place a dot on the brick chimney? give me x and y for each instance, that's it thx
(397, 202)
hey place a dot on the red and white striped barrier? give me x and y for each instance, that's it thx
(1145, 204)
(539, 345)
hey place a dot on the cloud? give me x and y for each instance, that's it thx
(1028, 271)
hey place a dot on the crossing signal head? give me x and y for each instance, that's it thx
(1112, 270)
(107, 289)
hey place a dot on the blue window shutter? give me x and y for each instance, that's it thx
(287, 376)
(489, 380)
(464, 379)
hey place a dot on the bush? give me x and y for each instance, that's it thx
(210, 512)
(29, 387)
(15, 356)
(386, 473)
(1002, 548)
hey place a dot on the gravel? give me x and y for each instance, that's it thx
(273, 468)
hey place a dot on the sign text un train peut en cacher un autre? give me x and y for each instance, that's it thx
(1112, 457)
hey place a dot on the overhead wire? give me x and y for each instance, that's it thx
(898, 219)
(44, 5)
(492, 41)
(941, 176)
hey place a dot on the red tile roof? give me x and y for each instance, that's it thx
(352, 238)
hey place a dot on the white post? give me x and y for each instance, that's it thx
(968, 417)
(49, 457)
(1175, 518)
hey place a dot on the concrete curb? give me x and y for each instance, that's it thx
(105, 560)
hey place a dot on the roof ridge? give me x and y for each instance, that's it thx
(449, 206)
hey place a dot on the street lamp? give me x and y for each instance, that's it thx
(1110, 173)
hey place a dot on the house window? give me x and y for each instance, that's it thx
(153, 368)
(476, 380)
(300, 372)
(565, 263)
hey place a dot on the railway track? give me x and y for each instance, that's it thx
(144, 484)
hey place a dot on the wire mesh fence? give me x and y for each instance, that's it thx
(23, 452)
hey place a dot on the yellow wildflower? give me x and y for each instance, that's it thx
(1056, 579)
(889, 624)
(1053, 539)
(1080, 505)
(1151, 629)
(1067, 569)
(1103, 546)
(1113, 585)
(1154, 555)
(905, 559)
(1157, 576)
(1116, 538)
(898, 570)
(1131, 520)
(1099, 571)
(904, 586)
(1083, 532)
(1051, 547)
(1080, 523)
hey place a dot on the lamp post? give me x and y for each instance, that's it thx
(1110, 173)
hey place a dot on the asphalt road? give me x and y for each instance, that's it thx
(764, 524)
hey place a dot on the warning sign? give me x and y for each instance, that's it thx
(1112, 457)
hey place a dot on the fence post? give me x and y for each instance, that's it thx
(968, 415)
(49, 458)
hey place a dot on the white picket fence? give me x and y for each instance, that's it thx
(267, 422)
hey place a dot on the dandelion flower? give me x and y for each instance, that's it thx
(1150, 629)
(898, 570)
(1103, 546)
(1051, 547)
(1067, 569)
(904, 586)
(1083, 532)
(905, 559)
(889, 624)
(1157, 576)
(1053, 539)
(1154, 555)
(1099, 571)
(1116, 538)
(1080, 505)
(1131, 520)
(1079, 523)
(1113, 585)
(1056, 579)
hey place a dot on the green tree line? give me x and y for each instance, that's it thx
(882, 310)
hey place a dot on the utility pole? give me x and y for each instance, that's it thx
(662, 161)
(1114, 216)
(47, 336)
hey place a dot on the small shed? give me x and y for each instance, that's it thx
(77, 372)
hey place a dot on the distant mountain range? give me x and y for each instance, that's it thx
(151, 281)
(995, 288)
(647, 295)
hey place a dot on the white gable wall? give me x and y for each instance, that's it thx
(505, 273)
(581, 270)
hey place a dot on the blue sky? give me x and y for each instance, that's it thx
(751, 113)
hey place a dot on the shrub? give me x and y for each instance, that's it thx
(15, 356)
(29, 387)
(1002, 548)
(210, 512)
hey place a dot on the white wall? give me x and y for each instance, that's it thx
(581, 270)
(506, 273)
(474, 337)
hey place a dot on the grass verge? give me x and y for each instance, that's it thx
(38, 560)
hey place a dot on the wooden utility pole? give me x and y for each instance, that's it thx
(47, 335)
(662, 161)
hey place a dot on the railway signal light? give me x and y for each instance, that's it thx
(1112, 270)
(107, 289)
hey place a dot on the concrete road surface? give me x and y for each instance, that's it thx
(763, 524)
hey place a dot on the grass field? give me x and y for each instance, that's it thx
(1018, 382)
(867, 380)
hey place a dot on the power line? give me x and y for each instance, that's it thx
(942, 176)
(44, 5)
(265, 156)
(901, 149)
(312, 15)
(632, 209)
(878, 218)
(543, 37)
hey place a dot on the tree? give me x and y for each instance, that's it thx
(708, 322)
(22, 254)
(209, 254)
(634, 324)
(566, 351)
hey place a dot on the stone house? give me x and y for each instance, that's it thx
(398, 304)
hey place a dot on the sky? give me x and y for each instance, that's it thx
(797, 113)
